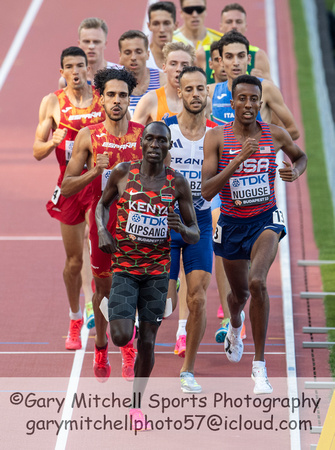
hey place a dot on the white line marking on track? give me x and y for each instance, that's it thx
(284, 252)
(72, 388)
(19, 40)
(30, 238)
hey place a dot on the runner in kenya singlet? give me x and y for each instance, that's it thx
(142, 233)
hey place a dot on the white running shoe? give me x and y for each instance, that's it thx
(188, 383)
(262, 384)
(233, 343)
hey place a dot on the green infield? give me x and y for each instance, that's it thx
(322, 210)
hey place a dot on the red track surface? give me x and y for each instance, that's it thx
(34, 306)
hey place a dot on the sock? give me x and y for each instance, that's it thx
(236, 331)
(76, 316)
(181, 328)
(258, 364)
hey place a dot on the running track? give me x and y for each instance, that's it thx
(34, 316)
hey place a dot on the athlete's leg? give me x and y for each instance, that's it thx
(73, 238)
(263, 254)
(86, 272)
(197, 284)
(102, 289)
(122, 331)
(145, 360)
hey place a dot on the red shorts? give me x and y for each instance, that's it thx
(100, 261)
(72, 210)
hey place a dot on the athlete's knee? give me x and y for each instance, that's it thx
(257, 287)
(238, 294)
(120, 337)
(196, 301)
(73, 264)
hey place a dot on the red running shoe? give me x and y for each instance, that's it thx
(73, 340)
(101, 367)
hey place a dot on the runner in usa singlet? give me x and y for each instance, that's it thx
(142, 232)
(250, 190)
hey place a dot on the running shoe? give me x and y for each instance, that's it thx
(101, 367)
(73, 340)
(220, 314)
(233, 344)
(90, 316)
(180, 347)
(221, 333)
(188, 383)
(262, 384)
(138, 420)
(128, 361)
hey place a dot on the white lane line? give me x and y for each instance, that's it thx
(30, 238)
(284, 252)
(19, 40)
(117, 353)
(72, 389)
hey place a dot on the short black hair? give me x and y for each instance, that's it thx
(72, 51)
(191, 69)
(160, 123)
(233, 37)
(133, 34)
(233, 7)
(247, 79)
(163, 6)
(105, 75)
(214, 46)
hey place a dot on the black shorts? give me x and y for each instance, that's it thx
(146, 293)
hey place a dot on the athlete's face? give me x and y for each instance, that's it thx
(115, 99)
(162, 27)
(175, 63)
(93, 42)
(133, 55)
(156, 142)
(235, 60)
(246, 102)
(193, 91)
(216, 64)
(74, 71)
(233, 20)
(194, 20)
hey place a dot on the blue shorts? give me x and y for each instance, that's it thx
(197, 256)
(216, 202)
(234, 237)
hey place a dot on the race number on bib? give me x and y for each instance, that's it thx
(218, 234)
(104, 178)
(146, 228)
(278, 217)
(250, 190)
(55, 195)
(68, 150)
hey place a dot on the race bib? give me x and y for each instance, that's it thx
(217, 237)
(68, 150)
(55, 195)
(250, 189)
(146, 228)
(278, 217)
(104, 178)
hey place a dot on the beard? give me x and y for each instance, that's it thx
(192, 111)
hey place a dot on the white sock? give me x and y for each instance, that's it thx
(258, 364)
(76, 316)
(181, 328)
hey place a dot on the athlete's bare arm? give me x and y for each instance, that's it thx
(146, 109)
(273, 102)
(262, 66)
(113, 190)
(73, 181)
(49, 116)
(61, 83)
(189, 227)
(282, 140)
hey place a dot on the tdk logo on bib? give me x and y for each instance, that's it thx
(147, 228)
(250, 190)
